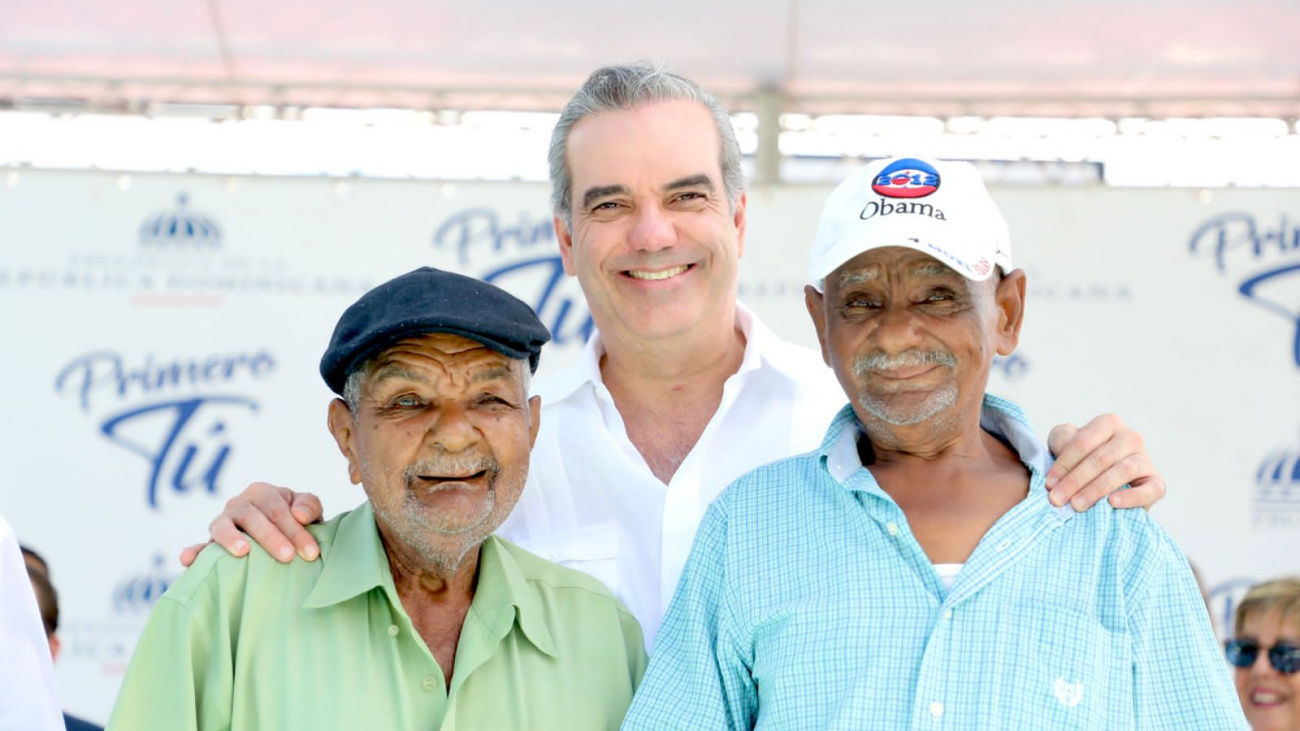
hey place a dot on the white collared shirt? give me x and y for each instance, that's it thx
(592, 502)
(28, 699)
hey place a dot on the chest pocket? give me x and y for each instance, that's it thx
(1059, 669)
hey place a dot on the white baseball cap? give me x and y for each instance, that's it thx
(935, 207)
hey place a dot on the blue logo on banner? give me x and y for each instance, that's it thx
(1276, 497)
(525, 254)
(136, 594)
(181, 228)
(1273, 254)
(183, 439)
(1224, 598)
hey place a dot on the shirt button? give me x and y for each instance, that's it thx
(892, 528)
(1004, 545)
(392, 630)
(430, 682)
(947, 614)
(936, 709)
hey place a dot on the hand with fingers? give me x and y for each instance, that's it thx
(273, 516)
(1097, 460)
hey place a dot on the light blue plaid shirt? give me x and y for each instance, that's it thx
(806, 603)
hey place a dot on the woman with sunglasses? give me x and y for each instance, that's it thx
(1266, 654)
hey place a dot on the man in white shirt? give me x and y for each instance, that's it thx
(681, 390)
(28, 700)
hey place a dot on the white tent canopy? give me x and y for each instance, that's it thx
(944, 57)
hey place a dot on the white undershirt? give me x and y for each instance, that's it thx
(948, 573)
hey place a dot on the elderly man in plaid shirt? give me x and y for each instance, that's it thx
(911, 572)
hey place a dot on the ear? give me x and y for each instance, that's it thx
(816, 302)
(738, 218)
(55, 645)
(534, 420)
(565, 239)
(344, 429)
(1009, 298)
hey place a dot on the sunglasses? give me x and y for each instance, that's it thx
(1284, 657)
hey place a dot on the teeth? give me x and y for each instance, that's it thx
(655, 276)
(1260, 696)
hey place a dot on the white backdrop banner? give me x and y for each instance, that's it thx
(161, 336)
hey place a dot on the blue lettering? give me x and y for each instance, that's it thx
(1231, 233)
(105, 370)
(548, 303)
(180, 476)
(1249, 290)
(96, 369)
(476, 226)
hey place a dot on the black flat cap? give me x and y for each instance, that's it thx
(430, 300)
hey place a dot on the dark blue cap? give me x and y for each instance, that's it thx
(430, 300)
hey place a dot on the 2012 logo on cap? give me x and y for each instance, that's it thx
(906, 178)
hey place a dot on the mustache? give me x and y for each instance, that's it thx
(879, 361)
(451, 465)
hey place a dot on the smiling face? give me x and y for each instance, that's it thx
(911, 340)
(655, 243)
(1270, 699)
(440, 442)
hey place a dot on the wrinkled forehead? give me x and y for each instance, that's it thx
(892, 263)
(434, 356)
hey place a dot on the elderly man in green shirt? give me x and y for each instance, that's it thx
(416, 617)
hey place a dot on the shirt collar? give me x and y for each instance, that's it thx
(838, 454)
(762, 348)
(355, 562)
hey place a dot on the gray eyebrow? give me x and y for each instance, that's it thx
(933, 269)
(858, 276)
(495, 373)
(392, 370)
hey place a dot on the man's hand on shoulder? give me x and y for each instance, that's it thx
(1098, 459)
(273, 516)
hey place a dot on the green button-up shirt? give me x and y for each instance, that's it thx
(256, 644)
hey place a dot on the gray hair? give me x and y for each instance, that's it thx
(357, 375)
(629, 86)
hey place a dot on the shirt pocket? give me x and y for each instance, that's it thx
(592, 549)
(1061, 669)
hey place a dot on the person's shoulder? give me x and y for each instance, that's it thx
(217, 571)
(773, 475)
(1130, 540)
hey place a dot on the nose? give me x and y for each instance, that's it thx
(896, 328)
(453, 430)
(652, 229)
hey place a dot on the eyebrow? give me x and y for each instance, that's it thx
(495, 373)
(699, 180)
(601, 191)
(933, 269)
(858, 276)
(392, 370)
